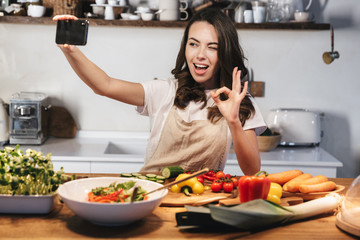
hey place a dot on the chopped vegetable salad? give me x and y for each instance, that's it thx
(116, 193)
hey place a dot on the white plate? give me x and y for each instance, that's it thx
(27, 204)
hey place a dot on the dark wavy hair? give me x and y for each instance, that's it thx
(230, 55)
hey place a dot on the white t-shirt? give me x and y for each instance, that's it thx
(159, 98)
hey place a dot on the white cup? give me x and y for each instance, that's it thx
(248, 16)
(301, 16)
(122, 3)
(36, 10)
(184, 5)
(147, 16)
(98, 10)
(109, 13)
(184, 14)
(112, 2)
(169, 15)
(100, 2)
(259, 14)
(169, 5)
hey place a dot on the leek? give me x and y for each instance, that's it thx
(315, 207)
(263, 213)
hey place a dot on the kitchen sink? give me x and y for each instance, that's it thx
(126, 148)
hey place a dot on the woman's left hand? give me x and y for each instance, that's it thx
(230, 107)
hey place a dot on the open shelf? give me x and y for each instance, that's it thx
(171, 24)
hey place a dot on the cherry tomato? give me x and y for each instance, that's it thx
(216, 186)
(235, 181)
(228, 186)
(219, 175)
(210, 173)
(227, 176)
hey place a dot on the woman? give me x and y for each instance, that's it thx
(194, 117)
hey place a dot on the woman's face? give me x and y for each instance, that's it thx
(201, 53)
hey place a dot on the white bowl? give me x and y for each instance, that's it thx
(147, 16)
(125, 16)
(134, 17)
(75, 194)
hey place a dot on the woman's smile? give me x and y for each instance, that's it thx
(200, 69)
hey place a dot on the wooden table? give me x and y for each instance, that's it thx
(62, 223)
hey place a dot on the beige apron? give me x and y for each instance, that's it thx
(191, 145)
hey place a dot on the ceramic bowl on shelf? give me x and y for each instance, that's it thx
(268, 143)
(147, 16)
(125, 16)
(134, 17)
(75, 196)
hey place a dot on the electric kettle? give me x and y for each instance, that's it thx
(4, 124)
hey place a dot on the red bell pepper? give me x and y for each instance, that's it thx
(253, 187)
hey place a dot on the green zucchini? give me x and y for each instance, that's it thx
(171, 172)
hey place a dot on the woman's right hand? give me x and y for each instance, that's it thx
(64, 17)
(65, 47)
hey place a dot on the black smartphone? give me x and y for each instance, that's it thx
(72, 32)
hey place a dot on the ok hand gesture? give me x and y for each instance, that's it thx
(230, 107)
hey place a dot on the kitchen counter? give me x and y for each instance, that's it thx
(119, 152)
(62, 223)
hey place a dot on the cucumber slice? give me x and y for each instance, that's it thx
(160, 177)
(126, 175)
(160, 181)
(171, 172)
(136, 174)
(142, 177)
(150, 175)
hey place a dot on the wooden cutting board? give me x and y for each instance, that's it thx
(180, 199)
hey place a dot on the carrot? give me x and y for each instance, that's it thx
(293, 184)
(283, 177)
(319, 187)
(315, 180)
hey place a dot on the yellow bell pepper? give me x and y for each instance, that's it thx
(193, 183)
(275, 193)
